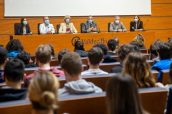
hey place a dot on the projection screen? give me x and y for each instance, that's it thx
(76, 7)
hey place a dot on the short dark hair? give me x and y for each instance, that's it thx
(95, 55)
(102, 47)
(112, 43)
(43, 54)
(3, 55)
(125, 49)
(71, 63)
(164, 51)
(79, 45)
(25, 57)
(61, 54)
(155, 47)
(14, 70)
(14, 45)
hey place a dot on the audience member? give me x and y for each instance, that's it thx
(79, 48)
(3, 59)
(61, 54)
(138, 41)
(95, 57)
(113, 46)
(122, 96)
(43, 93)
(72, 66)
(13, 74)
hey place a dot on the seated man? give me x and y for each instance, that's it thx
(67, 26)
(46, 27)
(79, 48)
(72, 66)
(43, 58)
(95, 57)
(89, 26)
(3, 58)
(13, 73)
(117, 25)
(165, 59)
(23, 28)
(113, 45)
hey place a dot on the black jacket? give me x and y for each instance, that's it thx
(133, 25)
(19, 29)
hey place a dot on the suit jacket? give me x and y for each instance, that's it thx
(44, 29)
(63, 27)
(134, 25)
(117, 27)
(85, 27)
(19, 29)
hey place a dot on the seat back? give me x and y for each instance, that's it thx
(16, 27)
(38, 28)
(81, 26)
(109, 27)
(169, 102)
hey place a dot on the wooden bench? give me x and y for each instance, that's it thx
(153, 101)
(165, 77)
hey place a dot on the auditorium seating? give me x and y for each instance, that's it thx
(153, 101)
(165, 76)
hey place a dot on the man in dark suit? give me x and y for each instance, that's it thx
(136, 24)
(22, 28)
(89, 26)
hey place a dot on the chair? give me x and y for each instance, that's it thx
(38, 28)
(169, 102)
(16, 26)
(58, 27)
(109, 27)
(81, 26)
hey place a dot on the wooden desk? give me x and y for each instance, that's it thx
(60, 41)
(4, 39)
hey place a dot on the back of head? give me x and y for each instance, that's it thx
(124, 50)
(14, 45)
(25, 57)
(112, 43)
(95, 55)
(3, 55)
(62, 53)
(72, 64)
(122, 96)
(164, 51)
(43, 91)
(155, 47)
(136, 66)
(43, 54)
(14, 70)
(79, 45)
(102, 47)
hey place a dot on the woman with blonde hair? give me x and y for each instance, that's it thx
(43, 93)
(136, 66)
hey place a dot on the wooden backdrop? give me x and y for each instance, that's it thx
(160, 21)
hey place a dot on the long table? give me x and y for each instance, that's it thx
(60, 41)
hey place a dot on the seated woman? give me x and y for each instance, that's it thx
(122, 96)
(136, 66)
(79, 48)
(138, 42)
(67, 26)
(43, 92)
(23, 28)
(136, 24)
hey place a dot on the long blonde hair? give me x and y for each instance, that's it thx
(43, 91)
(136, 66)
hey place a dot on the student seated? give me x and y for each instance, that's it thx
(123, 51)
(72, 66)
(67, 26)
(14, 47)
(106, 57)
(95, 57)
(113, 46)
(46, 27)
(89, 26)
(43, 92)
(117, 25)
(79, 48)
(43, 58)
(26, 58)
(165, 59)
(61, 54)
(122, 96)
(136, 24)
(3, 59)
(138, 41)
(13, 74)
(23, 28)
(136, 66)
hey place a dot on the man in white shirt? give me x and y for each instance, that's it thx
(46, 27)
(95, 56)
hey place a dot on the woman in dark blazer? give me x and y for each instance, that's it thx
(22, 28)
(136, 24)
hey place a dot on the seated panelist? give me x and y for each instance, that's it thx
(23, 28)
(46, 27)
(89, 26)
(117, 25)
(67, 26)
(136, 24)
